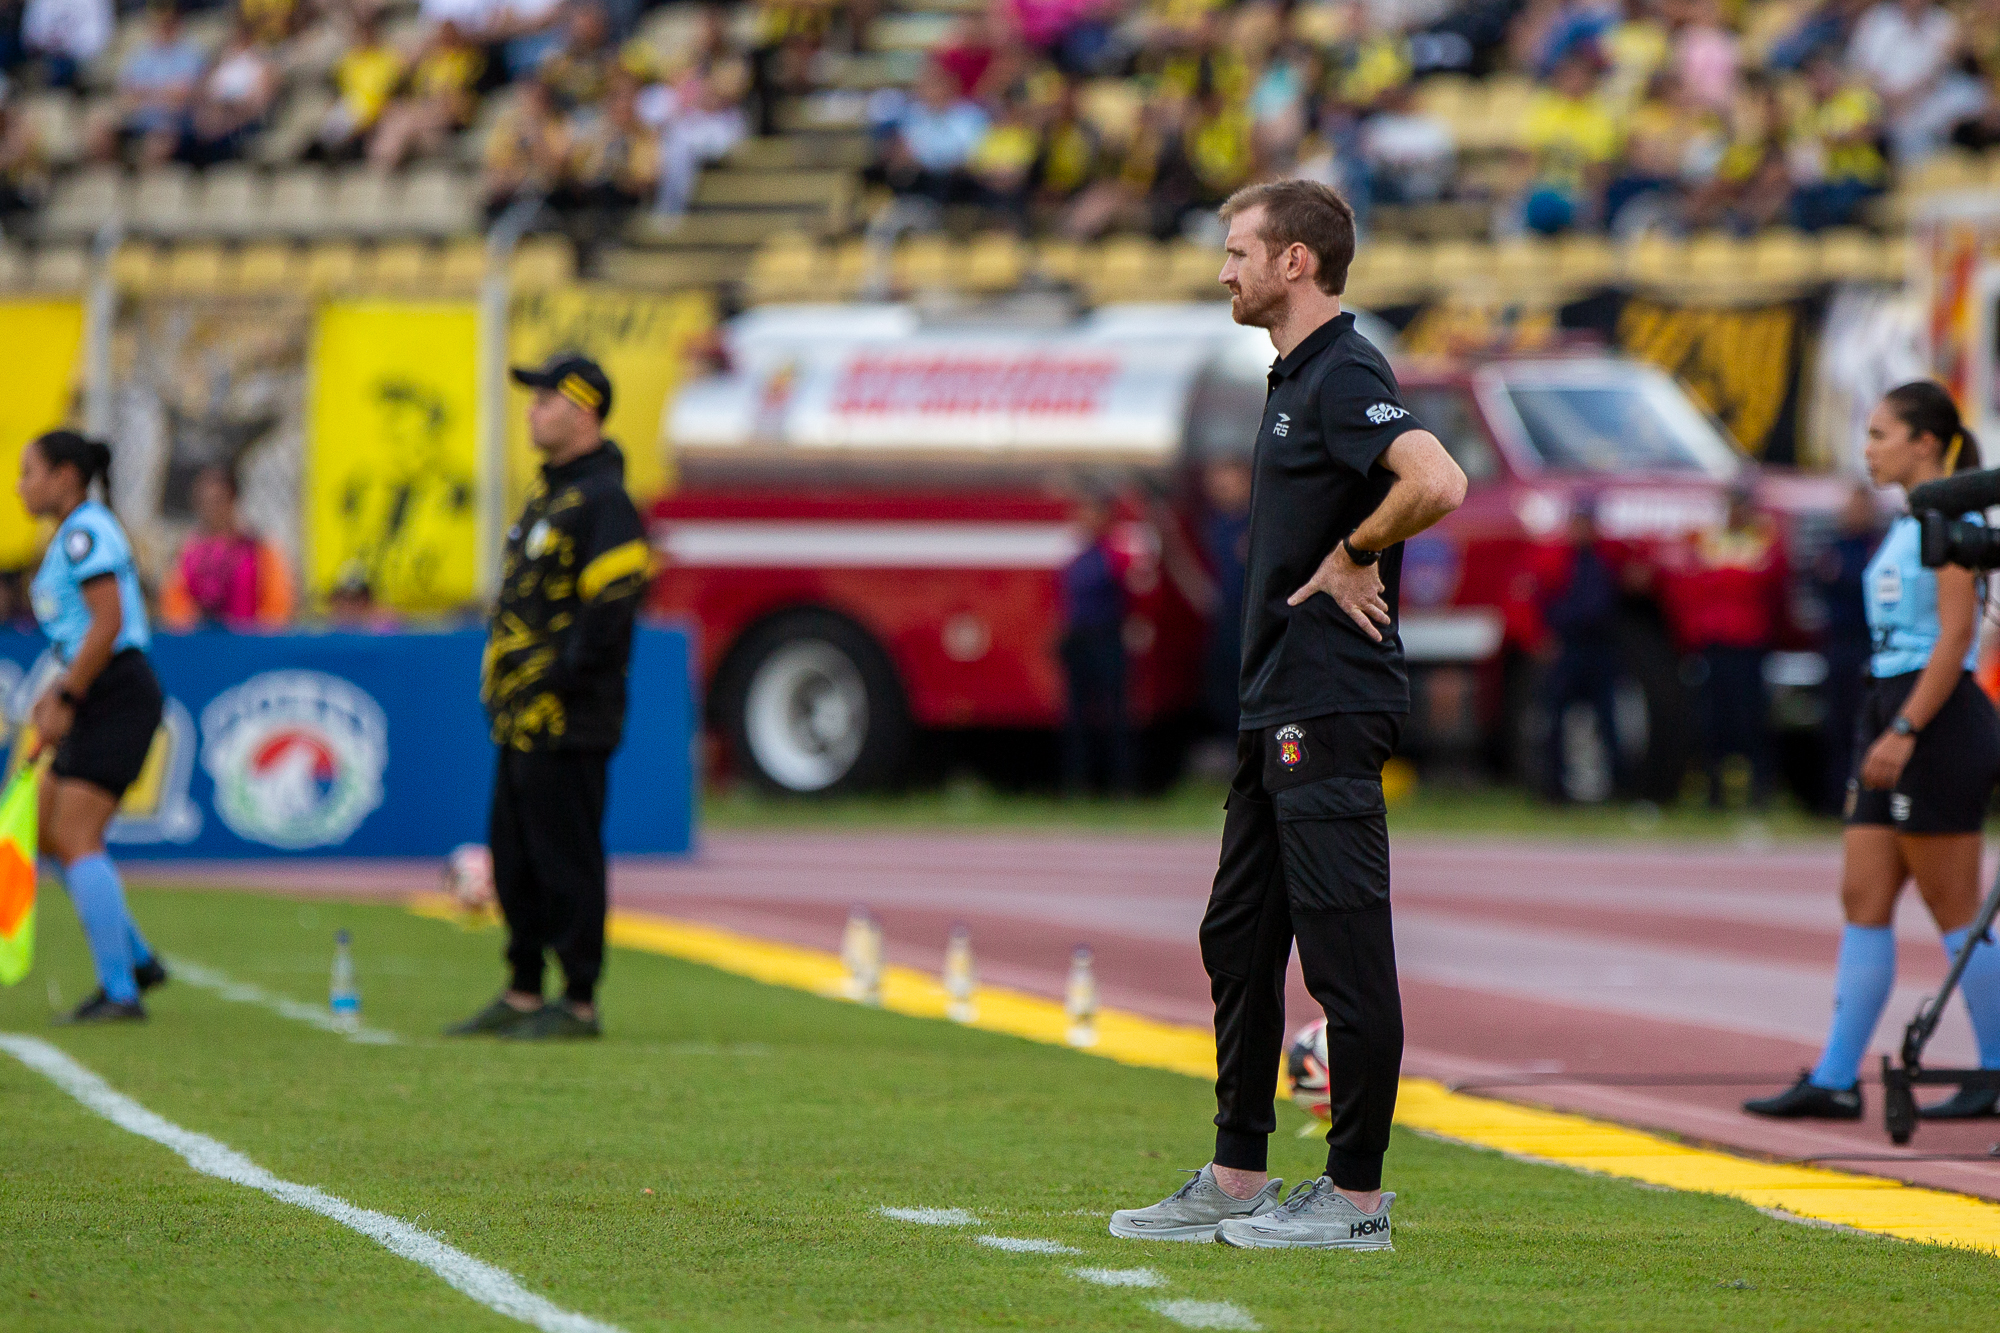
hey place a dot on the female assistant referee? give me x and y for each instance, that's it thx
(1928, 753)
(102, 709)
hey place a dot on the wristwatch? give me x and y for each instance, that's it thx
(1358, 556)
(1902, 726)
(69, 699)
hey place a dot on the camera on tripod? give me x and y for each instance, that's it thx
(1949, 539)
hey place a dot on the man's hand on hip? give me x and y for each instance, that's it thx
(1356, 589)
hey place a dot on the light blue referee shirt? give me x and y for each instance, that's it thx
(89, 543)
(1902, 602)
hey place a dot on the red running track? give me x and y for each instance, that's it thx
(1519, 960)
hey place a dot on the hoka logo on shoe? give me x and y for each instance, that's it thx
(1368, 1228)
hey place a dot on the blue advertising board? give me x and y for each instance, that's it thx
(319, 745)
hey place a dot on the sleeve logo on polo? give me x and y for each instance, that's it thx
(1383, 413)
(78, 544)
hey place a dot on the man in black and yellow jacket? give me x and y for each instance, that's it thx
(553, 681)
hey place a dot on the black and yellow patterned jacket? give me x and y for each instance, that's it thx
(572, 574)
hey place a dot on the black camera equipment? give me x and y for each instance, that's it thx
(1899, 1102)
(1949, 539)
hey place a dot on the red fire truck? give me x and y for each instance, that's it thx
(874, 509)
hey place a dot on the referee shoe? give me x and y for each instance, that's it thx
(1316, 1217)
(98, 1007)
(1192, 1211)
(495, 1020)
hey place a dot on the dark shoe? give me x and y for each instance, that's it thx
(98, 1007)
(1805, 1100)
(1965, 1104)
(554, 1022)
(150, 975)
(495, 1020)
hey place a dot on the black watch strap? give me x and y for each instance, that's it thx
(72, 700)
(1359, 556)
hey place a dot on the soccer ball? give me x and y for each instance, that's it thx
(1306, 1070)
(468, 876)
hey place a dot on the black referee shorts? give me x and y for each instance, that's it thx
(1948, 783)
(113, 731)
(1305, 856)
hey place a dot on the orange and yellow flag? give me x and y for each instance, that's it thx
(17, 875)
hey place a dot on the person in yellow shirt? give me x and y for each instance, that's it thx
(1005, 160)
(1835, 146)
(436, 98)
(528, 150)
(1572, 140)
(366, 77)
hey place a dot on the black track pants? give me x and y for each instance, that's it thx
(547, 835)
(1305, 855)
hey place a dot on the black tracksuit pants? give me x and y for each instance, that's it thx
(1305, 855)
(547, 836)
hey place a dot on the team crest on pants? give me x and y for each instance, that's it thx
(1291, 746)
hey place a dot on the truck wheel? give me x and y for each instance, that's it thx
(1657, 758)
(811, 704)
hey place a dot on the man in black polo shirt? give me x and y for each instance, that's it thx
(1343, 475)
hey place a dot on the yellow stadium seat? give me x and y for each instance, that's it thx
(332, 266)
(1893, 257)
(1716, 259)
(1953, 170)
(1192, 269)
(1387, 271)
(364, 202)
(1847, 254)
(193, 270)
(788, 267)
(1585, 262)
(1460, 265)
(994, 262)
(852, 265)
(1124, 268)
(401, 266)
(922, 264)
(267, 267)
(1655, 260)
(1524, 268)
(299, 203)
(163, 201)
(1060, 261)
(231, 201)
(1784, 257)
(542, 262)
(135, 267)
(463, 267)
(85, 200)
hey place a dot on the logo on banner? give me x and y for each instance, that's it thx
(297, 757)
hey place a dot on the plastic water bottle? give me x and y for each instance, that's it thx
(344, 1000)
(1080, 998)
(961, 982)
(861, 954)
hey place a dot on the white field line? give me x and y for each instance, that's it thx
(1205, 1314)
(494, 1288)
(242, 992)
(1025, 1245)
(1120, 1277)
(932, 1217)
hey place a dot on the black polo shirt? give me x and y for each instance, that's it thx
(1332, 409)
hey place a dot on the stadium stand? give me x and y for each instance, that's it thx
(807, 148)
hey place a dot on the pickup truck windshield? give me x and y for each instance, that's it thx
(1597, 418)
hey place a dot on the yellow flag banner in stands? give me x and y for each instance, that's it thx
(17, 875)
(1742, 363)
(640, 338)
(41, 343)
(392, 452)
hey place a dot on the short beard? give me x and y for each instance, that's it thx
(1259, 310)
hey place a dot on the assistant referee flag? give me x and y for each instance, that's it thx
(17, 875)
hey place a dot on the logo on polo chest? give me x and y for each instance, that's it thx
(1291, 746)
(1283, 426)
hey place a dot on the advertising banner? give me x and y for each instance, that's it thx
(40, 343)
(641, 340)
(391, 482)
(990, 396)
(345, 745)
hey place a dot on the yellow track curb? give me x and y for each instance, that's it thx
(1866, 1203)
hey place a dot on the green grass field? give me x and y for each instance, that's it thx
(769, 1127)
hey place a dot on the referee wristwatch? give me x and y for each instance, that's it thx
(1902, 726)
(71, 700)
(1360, 557)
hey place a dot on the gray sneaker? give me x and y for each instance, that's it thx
(1316, 1217)
(1192, 1211)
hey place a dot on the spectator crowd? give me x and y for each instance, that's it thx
(1074, 117)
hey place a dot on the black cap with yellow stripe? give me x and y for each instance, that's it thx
(575, 377)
